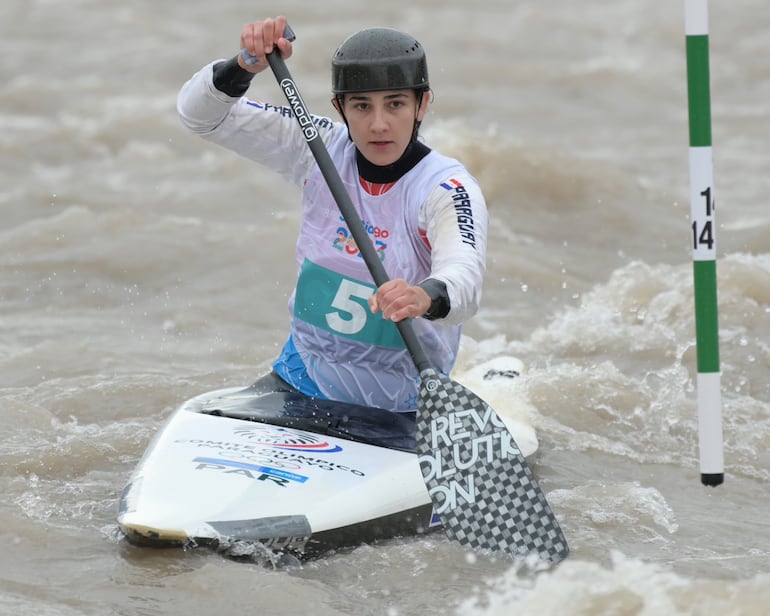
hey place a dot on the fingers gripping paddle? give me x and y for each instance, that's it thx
(480, 484)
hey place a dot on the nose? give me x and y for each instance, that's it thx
(379, 122)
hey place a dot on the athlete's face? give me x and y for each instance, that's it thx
(381, 123)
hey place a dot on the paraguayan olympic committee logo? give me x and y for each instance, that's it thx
(285, 438)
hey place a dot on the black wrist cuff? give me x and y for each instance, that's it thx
(439, 298)
(230, 78)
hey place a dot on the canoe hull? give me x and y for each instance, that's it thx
(208, 478)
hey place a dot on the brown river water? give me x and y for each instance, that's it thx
(140, 266)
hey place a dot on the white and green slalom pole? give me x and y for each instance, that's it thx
(702, 203)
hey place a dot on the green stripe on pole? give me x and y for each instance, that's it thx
(698, 90)
(706, 317)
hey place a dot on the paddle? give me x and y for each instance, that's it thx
(480, 484)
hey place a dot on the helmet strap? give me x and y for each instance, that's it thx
(339, 104)
(420, 94)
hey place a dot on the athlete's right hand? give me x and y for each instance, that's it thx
(258, 39)
(398, 300)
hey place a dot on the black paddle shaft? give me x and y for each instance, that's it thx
(341, 196)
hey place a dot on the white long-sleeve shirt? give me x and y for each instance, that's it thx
(434, 218)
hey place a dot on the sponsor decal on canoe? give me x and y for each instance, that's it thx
(297, 544)
(253, 471)
(283, 459)
(283, 438)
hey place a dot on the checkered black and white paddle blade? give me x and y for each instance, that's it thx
(480, 484)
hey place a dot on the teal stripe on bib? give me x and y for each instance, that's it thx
(338, 305)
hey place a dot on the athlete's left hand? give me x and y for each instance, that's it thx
(398, 300)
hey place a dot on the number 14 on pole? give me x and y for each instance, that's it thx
(703, 236)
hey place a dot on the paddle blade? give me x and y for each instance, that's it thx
(480, 484)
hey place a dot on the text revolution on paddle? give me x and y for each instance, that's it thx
(449, 434)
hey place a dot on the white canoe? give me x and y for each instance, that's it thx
(290, 473)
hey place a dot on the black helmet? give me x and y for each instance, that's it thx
(379, 59)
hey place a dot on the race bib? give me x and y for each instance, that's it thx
(339, 305)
